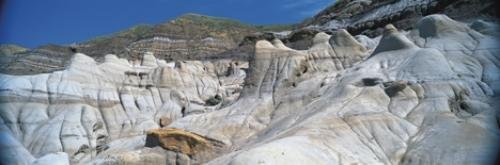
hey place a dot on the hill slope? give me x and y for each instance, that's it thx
(186, 37)
(370, 16)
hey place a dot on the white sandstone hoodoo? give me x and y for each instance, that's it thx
(427, 96)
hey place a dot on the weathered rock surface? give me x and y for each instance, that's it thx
(91, 108)
(178, 140)
(370, 16)
(188, 37)
(426, 96)
(433, 100)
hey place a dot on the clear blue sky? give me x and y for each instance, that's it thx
(32, 23)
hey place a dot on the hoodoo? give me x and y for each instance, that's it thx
(422, 88)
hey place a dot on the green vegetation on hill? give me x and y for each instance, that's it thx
(136, 32)
(191, 26)
(11, 49)
(215, 23)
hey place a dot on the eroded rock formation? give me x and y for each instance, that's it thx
(90, 108)
(370, 16)
(407, 97)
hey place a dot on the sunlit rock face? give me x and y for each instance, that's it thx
(423, 96)
(405, 103)
(370, 16)
(91, 108)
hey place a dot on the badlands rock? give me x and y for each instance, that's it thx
(178, 141)
(369, 16)
(422, 97)
(345, 122)
(59, 158)
(90, 108)
(188, 37)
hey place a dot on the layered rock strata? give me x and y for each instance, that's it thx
(370, 16)
(419, 97)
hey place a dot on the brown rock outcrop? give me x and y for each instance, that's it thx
(178, 140)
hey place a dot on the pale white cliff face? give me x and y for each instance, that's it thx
(90, 108)
(420, 97)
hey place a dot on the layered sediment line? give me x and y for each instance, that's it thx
(416, 97)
